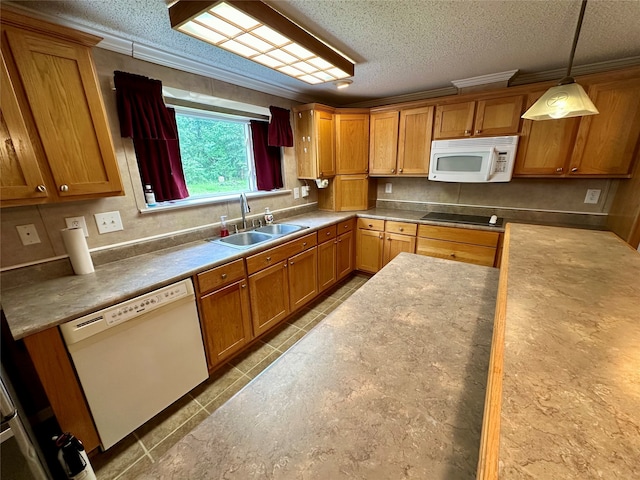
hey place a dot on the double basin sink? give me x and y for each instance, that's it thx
(259, 235)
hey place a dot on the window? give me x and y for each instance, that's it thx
(217, 156)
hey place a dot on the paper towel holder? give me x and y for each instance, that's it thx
(322, 182)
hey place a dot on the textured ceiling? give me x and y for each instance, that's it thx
(400, 47)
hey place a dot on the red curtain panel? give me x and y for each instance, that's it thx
(280, 133)
(267, 158)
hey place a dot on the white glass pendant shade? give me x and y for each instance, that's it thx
(562, 101)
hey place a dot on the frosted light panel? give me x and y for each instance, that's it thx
(232, 29)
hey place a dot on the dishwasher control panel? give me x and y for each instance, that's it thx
(91, 324)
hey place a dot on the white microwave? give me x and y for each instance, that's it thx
(473, 160)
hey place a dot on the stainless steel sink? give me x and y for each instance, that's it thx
(279, 229)
(244, 239)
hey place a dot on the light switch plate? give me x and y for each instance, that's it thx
(77, 222)
(108, 222)
(28, 234)
(388, 188)
(305, 191)
(592, 196)
(296, 193)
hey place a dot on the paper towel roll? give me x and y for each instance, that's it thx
(76, 246)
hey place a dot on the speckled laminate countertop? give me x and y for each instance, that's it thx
(390, 385)
(41, 305)
(571, 383)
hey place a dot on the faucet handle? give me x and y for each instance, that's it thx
(235, 227)
(253, 222)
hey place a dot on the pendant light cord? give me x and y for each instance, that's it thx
(575, 41)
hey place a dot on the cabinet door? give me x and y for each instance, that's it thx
(599, 151)
(498, 116)
(325, 145)
(303, 278)
(226, 322)
(414, 142)
(327, 275)
(352, 143)
(345, 258)
(369, 250)
(20, 175)
(454, 120)
(352, 192)
(383, 143)
(62, 90)
(269, 292)
(545, 146)
(302, 141)
(395, 244)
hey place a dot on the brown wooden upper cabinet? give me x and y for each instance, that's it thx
(57, 142)
(595, 145)
(352, 143)
(314, 141)
(485, 118)
(400, 142)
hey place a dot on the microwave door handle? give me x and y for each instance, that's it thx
(492, 163)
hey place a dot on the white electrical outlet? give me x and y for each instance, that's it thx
(296, 193)
(28, 234)
(77, 222)
(592, 196)
(305, 191)
(108, 222)
(388, 188)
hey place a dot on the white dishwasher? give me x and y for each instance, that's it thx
(138, 357)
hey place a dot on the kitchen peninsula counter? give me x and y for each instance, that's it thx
(390, 385)
(564, 390)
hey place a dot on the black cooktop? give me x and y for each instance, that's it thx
(458, 218)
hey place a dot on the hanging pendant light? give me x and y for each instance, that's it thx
(567, 99)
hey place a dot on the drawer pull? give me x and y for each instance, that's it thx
(346, 226)
(574, 169)
(41, 188)
(304, 244)
(401, 229)
(244, 285)
(370, 225)
(291, 263)
(336, 241)
(65, 188)
(223, 276)
(389, 238)
(478, 131)
(268, 259)
(452, 255)
(559, 169)
(328, 233)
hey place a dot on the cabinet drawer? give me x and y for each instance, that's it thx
(220, 276)
(402, 228)
(277, 254)
(462, 252)
(462, 235)
(327, 233)
(371, 224)
(346, 226)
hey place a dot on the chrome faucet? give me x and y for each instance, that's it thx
(244, 209)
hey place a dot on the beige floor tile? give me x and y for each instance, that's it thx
(280, 335)
(315, 322)
(162, 447)
(303, 318)
(216, 384)
(214, 404)
(339, 292)
(327, 306)
(255, 371)
(135, 470)
(287, 344)
(163, 424)
(108, 465)
(252, 357)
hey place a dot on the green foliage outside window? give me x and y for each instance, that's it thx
(214, 154)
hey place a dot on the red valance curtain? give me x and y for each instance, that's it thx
(267, 158)
(280, 133)
(145, 118)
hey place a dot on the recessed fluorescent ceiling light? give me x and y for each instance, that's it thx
(255, 31)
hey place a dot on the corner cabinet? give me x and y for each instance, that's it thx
(485, 118)
(314, 141)
(54, 120)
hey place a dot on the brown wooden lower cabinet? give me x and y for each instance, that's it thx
(395, 244)
(460, 244)
(269, 290)
(369, 250)
(345, 254)
(327, 274)
(303, 278)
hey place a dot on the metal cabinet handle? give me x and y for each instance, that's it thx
(335, 242)
(224, 275)
(559, 169)
(452, 255)
(268, 259)
(478, 131)
(299, 114)
(400, 170)
(346, 226)
(380, 236)
(41, 188)
(393, 170)
(401, 229)
(244, 285)
(308, 139)
(340, 239)
(370, 225)
(328, 233)
(389, 238)
(64, 188)
(285, 265)
(574, 169)
(467, 132)
(304, 244)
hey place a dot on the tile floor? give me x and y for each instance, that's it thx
(135, 453)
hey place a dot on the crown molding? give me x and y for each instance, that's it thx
(484, 79)
(558, 73)
(409, 97)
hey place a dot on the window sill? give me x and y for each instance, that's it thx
(198, 202)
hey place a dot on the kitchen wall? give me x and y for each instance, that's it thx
(49, 219)
(556, 199)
